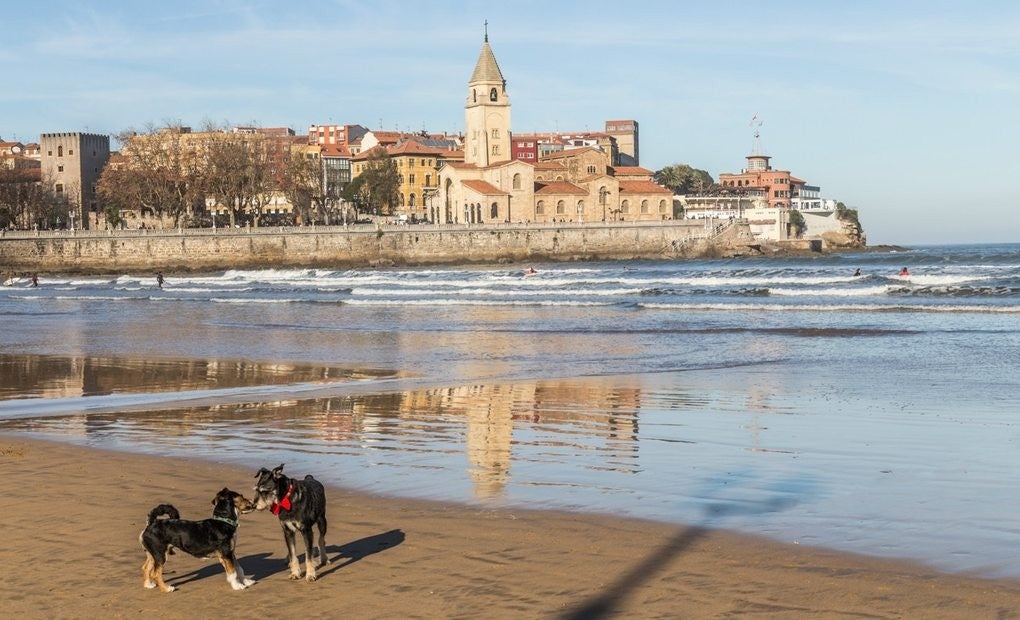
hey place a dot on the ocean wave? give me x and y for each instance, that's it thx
(416, 292)
(468, 302)
(738, 307)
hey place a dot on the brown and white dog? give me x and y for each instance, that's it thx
(213, 537)
(301, 505)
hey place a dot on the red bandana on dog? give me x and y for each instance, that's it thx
(283, 504)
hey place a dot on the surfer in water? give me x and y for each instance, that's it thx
(530, 271)
(904, 273)
(858, 272)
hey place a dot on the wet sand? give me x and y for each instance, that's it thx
(70, 549)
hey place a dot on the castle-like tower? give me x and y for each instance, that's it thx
(487, 113)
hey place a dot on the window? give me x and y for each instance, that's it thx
(495, 133)
(625, 206)
(410, 200)
(540, 208)
(411, 179)
(560, 208)
(70, 151)
(60, 151)
(517, 181)
(60, 168)
(662, 206)
(428, 180)
(59, 188)
(493, 95)
(644, 206)
(49, 153)
(591, 169)
(494, 211)
(495, 149)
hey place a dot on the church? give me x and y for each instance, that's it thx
(576, 185)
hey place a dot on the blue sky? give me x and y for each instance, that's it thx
(907, 111)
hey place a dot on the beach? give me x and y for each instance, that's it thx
(71, 550)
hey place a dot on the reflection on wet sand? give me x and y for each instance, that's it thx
(51, 376)
(493, 425)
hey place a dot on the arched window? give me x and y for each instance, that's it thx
(401, 200)
(644, 206)
(494, 211)
(474, 95)
(662, 206)
(495, 149)
(560, 208)
(60, 151)
(517, 181)
(493, 95)
(625, 206)
(410, 200)
(540, 208)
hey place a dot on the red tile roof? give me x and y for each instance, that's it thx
(558, 187)
(335, 150)
(630, 171)
(484, 188)
(642, 187)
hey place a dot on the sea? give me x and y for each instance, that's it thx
(787, 397)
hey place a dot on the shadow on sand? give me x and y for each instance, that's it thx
(262, 565)
(606, 604)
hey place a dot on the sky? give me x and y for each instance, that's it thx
(907, 111)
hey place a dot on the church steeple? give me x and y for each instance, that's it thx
(487, 111)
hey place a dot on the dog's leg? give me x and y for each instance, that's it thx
(247, 581)
(292, 559)
(323, 558)
(157, 574)
(231, 568)
(147, 571)
(308, 535)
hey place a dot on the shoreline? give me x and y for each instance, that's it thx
(392, 557)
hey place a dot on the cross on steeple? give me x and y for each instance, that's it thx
(486, 31)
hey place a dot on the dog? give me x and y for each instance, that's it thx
(300, 504)
(213, 537)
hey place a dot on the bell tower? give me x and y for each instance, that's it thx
(487, 112)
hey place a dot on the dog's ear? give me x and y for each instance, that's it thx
(261, 471)
(222, 495)
(277, 472)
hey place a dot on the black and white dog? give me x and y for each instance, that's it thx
(213, 537)
(300, 504)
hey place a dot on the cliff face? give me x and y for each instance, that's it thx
(851, 236)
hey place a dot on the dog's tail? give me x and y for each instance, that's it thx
(163, 510)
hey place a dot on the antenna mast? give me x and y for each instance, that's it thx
(756, 124)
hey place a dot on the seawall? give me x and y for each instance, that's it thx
(365, 245)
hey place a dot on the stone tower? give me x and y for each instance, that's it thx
(487, 113)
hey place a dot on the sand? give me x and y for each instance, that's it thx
(72, 515)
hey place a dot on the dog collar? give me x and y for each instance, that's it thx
(283, 504)
(230, 522)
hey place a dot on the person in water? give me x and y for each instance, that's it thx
(35, 280)
(530, 271)
(904, 273)
(858, 272)
(159, 279)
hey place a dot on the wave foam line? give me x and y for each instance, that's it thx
(835, 308)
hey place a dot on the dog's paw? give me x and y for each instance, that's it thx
(310, 577)
(248, 581)
(170, 589)
(295, 576)
(237, 585)
(150, 584)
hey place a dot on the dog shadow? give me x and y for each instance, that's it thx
(262, 565)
